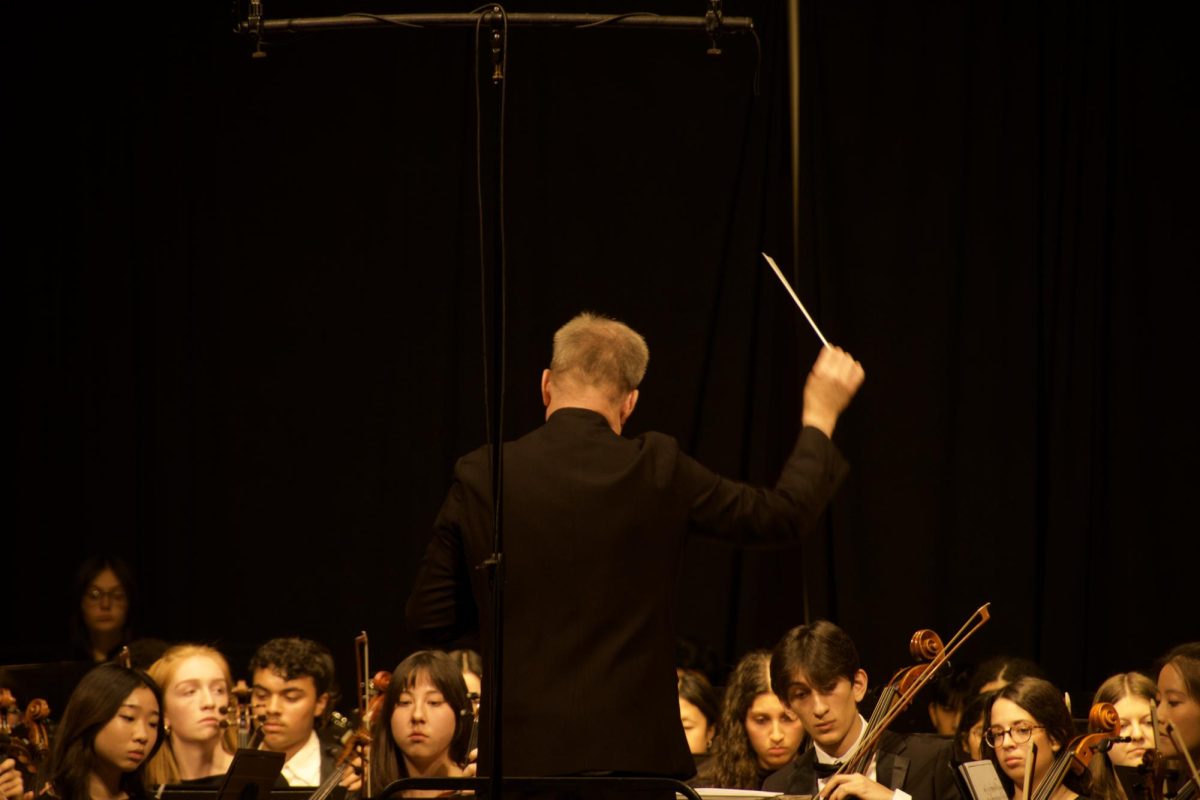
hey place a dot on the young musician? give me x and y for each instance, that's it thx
(471, 664)
(968, 738)
(294, 687)
(698, 710)
(196, 685)
(1179, 700)
(1132, 694)
(423, 726)
(1030, 710)
(815, 671)
(757, 735)
(109, 731)
(102, 622)
(948, 701)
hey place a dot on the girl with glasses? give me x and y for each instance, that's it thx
(1030, 710)
(104, 589)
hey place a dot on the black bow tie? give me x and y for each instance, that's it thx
(825, 771)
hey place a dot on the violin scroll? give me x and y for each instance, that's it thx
(240, 715)
(36, 714)
(379, 686)
(381, 681)
(925, 645)
(27, 743)
(1104, 717)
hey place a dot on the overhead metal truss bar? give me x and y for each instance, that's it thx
(515, 19)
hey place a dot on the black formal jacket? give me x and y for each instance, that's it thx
(919, 764)
(594, 527)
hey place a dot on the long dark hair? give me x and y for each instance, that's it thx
(387, 760)
(1186, 659)
(1045, 704)
(977, 711)
(93, 704)
(87, 572)
(1009, 669)
(696, 689)
(734, 764)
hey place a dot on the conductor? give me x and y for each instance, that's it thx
(595, 523)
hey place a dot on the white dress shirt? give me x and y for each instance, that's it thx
(304, 768)
(869, 773)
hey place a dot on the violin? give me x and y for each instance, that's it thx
(380, 682)
(12, 746)
(1075, 758)
(356, 738)
(28, 743)
(1188, 790)
(924, 646)
(354, 741)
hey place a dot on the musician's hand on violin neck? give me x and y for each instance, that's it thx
(353, 779)
(832, 383)
(12, 785)
(841, 787)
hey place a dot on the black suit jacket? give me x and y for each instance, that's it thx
(594, 527)
(919, 764)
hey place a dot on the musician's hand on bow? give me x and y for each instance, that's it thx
(831, 384)
(855, 784)
(472, 767)
(12, 785)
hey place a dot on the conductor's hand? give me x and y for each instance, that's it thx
(834, 379)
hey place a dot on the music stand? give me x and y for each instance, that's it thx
(251, 776)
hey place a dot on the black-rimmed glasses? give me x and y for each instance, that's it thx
(1019, 733)
(94, 595)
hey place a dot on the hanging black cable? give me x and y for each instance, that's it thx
(495, 393)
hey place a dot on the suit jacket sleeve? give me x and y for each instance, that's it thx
(751, 514)
(441, 607)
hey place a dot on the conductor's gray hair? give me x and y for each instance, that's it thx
(600, 352)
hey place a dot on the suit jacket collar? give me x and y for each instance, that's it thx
(574, 415)
(891, 767)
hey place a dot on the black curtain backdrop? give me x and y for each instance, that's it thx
(247, 314)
